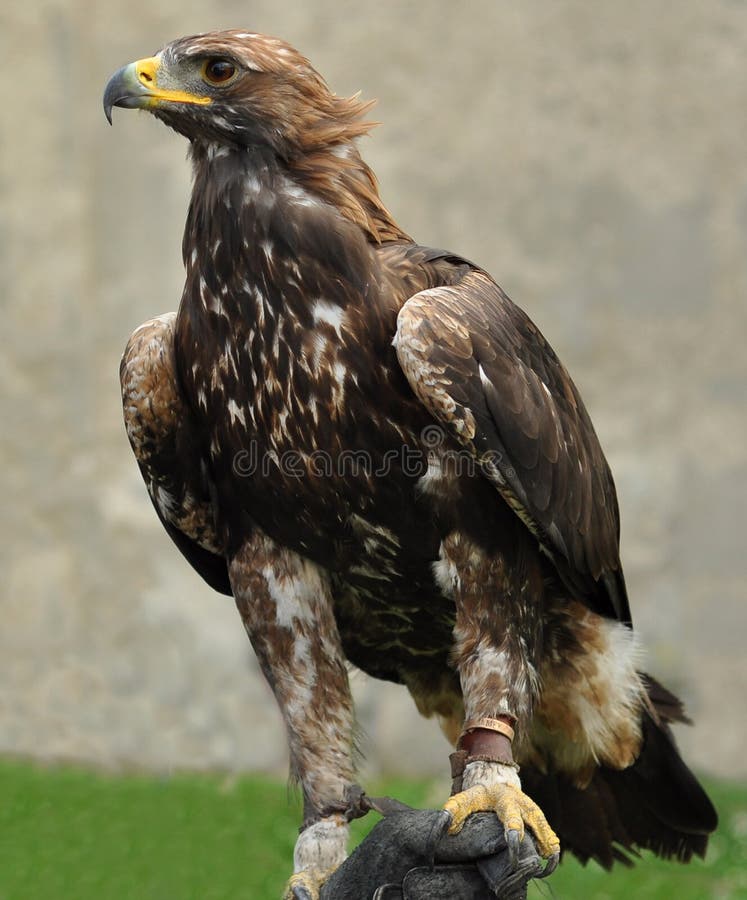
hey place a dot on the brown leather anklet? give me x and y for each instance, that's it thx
(460, 759)
(483, 740)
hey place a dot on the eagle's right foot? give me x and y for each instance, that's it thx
(319, 850)
(306, 885)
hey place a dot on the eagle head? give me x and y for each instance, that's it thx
(238, 88)
(259, 98)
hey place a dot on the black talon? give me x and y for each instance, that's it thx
(513, 843)
(441, 825)
(300, 893)
(552, 865)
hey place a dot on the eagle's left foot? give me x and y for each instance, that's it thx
(502, 794)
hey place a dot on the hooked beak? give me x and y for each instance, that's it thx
(135, 86)
(131, 86)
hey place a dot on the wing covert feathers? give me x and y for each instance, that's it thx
(158, 426)
(484, 370)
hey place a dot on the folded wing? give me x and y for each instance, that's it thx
(484, 370)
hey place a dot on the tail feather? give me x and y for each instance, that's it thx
(665, 706)
(656, 804)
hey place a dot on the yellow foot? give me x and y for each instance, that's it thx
(319, 850)
(513, 808)
(307, 884)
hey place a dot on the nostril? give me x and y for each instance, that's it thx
(146, 78)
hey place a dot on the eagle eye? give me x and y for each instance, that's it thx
(218, 71)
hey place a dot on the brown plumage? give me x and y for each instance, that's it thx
(383, 460)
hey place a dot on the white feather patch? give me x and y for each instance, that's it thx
(322, 845)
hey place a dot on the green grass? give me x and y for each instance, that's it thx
(67, 833)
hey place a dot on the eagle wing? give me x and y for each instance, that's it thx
(159, 426)
(485, 372)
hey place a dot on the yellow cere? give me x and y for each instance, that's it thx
(146, 70)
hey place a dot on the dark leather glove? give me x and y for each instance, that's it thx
(395, 862)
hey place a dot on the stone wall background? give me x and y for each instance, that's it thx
(592, 156)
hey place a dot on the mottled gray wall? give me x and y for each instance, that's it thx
(591, 155)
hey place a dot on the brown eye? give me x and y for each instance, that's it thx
(218, 71)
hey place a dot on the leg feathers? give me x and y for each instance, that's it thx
(656, 804)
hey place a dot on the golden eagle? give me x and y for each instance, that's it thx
(382, 459)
